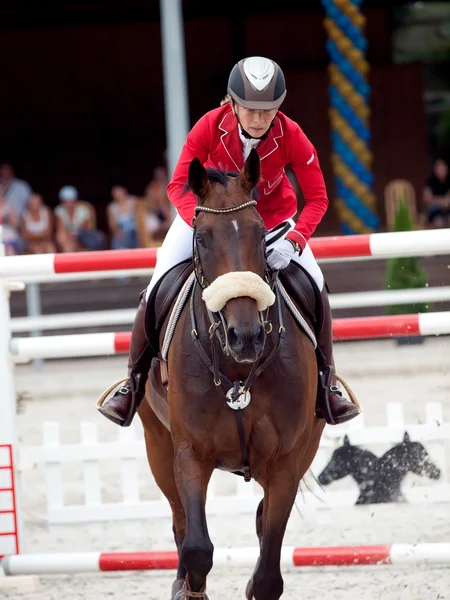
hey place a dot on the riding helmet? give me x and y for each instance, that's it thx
(257, 83)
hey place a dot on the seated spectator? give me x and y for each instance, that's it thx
(74, 228)
(158, 217)
(437, 195)
(122, 219)
(9, 226)
(36, 227)
(16, 190)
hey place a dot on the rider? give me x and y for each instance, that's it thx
(223, 139)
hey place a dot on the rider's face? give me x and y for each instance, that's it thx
(255, 122)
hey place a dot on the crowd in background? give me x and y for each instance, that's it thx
(437, 195)
(30, 226)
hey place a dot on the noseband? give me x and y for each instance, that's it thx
(236, 394)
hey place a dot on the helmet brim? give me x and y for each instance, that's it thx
(258, 105)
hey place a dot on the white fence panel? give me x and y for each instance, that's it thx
(225, 489)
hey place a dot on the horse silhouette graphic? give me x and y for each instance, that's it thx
(379, 478)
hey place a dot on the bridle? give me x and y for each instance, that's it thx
(198, 270)
(230, 391)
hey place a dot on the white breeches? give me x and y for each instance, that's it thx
(177, 246)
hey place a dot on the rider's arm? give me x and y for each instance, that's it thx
(197, 145)
(302, 156)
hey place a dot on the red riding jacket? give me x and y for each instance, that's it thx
(215, 141)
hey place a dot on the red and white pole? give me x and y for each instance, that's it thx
(375, 245)
(109, 343)
(333, 556)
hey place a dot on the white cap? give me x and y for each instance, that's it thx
(69, 193)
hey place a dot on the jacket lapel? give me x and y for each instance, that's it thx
(270, 144)
(231, 141)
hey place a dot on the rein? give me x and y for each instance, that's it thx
(230, 391)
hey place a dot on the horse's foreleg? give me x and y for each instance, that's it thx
(160, 454)
(267, 582)
(192, 474)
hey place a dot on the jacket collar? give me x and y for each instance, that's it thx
(232, 143)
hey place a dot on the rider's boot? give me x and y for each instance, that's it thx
(331, 404)
(122, 407)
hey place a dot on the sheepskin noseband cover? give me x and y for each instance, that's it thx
(236, 285)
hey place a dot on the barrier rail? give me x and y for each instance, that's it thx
(125, 316)
(376, 245)
(109, 343)
(327, 556)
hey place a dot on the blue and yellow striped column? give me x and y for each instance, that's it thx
(349, 116)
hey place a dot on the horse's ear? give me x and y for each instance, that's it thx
(198, 179)
(406, 438)
(251, 172)
(346, 441)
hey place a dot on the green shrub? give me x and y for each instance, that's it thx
(405, 273)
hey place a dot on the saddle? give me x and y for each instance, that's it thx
(298, 283)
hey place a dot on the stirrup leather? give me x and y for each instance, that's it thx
(136, 380)
(323, 409)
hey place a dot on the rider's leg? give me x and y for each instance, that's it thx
(121, 407)
(341, 408)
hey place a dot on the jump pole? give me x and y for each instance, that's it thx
(110, 343)
(337, 556)
(375, 245)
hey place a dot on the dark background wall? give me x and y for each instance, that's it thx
(81, 98)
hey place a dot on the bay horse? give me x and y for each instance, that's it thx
(191, 430)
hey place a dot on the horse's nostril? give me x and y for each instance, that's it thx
(234, 338)
(260, 336)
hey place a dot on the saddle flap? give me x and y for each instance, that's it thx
(161, 300)
(303, 290)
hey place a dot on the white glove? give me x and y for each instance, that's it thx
(281, 255)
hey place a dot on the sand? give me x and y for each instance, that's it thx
(380, 372)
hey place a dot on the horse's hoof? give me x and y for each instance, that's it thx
(180, 596)
(177, 588)
(183, 593)
(249, 590)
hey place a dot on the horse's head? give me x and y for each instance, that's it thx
(340, 464)
(229, 254)
(348, 460)
(416, 459)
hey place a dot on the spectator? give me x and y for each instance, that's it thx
(9, 226)
(37, 227)
(122, 219)
(158, 216)
(437, 195)
(16, 190)
(74, 227)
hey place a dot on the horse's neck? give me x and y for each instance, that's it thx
(390, 470)
(362, 465)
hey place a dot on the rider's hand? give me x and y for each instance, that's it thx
(281, 256)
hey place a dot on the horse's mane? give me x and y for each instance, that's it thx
(218, 176)
(215, 176)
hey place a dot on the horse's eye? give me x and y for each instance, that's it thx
(200, 241)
